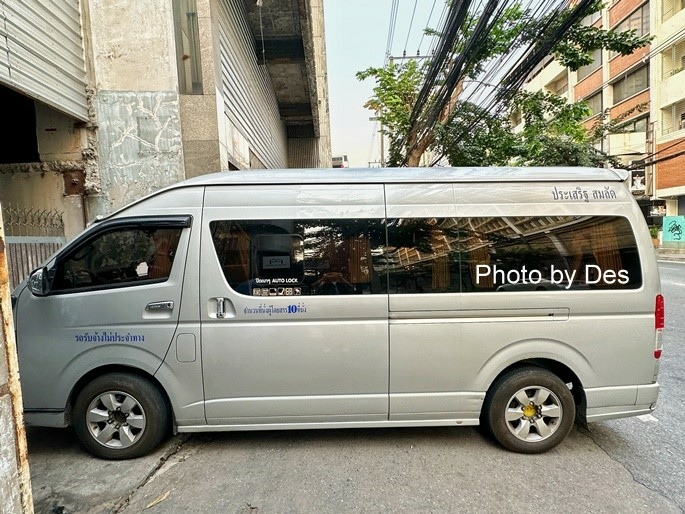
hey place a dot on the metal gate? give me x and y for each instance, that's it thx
(31, 236)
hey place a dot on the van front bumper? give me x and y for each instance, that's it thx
(41, 418)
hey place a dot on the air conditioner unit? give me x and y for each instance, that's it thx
(682, 121)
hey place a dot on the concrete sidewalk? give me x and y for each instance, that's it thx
(669, 254)
(66, 479)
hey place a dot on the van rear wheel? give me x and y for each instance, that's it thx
(529, 410)
(120, 416)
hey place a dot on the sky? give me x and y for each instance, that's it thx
(356, 39)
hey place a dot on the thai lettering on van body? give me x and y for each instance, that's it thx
(578, 193)
(109, 337)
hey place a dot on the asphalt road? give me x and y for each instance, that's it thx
(631, 465)
(652, 448)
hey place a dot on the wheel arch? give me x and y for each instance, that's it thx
(561, 370)
(114, 368)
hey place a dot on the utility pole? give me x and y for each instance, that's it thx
(376, 118)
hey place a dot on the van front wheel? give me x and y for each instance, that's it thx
(529, 410)
(120, 416)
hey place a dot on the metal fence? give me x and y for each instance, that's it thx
(31, 236)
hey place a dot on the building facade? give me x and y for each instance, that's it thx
(109, 101)
(642, 94)
(668, 104)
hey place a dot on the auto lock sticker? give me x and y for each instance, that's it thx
(276, 287)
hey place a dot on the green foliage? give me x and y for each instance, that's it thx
(505, 35)
(394, 95)
(553, 133)
(476, 137)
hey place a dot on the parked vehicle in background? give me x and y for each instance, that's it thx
(518, 298)
(340, 161)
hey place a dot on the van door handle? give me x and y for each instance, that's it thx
(220, 307)
(160, 306)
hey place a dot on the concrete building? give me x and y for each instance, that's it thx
(642, 93)
(668, 103)
(109, 101)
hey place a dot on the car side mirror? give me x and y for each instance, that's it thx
(38, 282)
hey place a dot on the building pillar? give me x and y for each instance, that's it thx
(15, 480)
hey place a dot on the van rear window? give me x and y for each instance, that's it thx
(532, 253)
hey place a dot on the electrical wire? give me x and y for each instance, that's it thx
(394, 7)
(423, 32)
(441, 21)
(483, 18)
(411, 23)
(513, 78)
(494, 102)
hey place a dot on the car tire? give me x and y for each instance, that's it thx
(529, 410)
(120, 416)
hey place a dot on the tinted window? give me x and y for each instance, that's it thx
(119, 257)
(301, 257)
(510, 254)
(423, 255)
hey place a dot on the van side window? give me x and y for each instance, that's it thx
(301, 257)
(424, 255)
(531, 253)
(119, 258)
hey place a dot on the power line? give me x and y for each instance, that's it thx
(391, 29)
(411, 22)
(441, 20)
(423, 32)
(538, 46)
(479, 24)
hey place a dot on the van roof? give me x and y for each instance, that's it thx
(391, 175)
(407, 175)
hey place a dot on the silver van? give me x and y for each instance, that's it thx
(520, 299)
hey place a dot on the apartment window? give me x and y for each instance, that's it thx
(637, 21)
(671, 8)
(584, 71)
(561, 87)
(639, 125)
(631, 84)
(591, 19)
(673, 117)
(673, 60)
(594, 102)
(558, 87)
(516, 117)
(187, 47)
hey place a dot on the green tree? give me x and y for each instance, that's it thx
(471, 134)
(394, 96)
